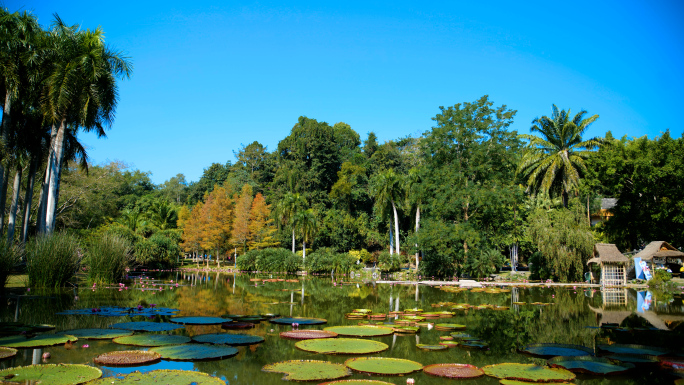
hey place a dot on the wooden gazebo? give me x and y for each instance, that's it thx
(660, 252)
(613, 264)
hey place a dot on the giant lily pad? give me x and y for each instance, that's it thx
(6, 353)
(516, 382)
(237, 325)
(127, 358)
(383, 366)
(199, 320)
(118, 311)
(302, 370)
(431, 347)
(360, 331)
(193, 352)
(449, 327)
(341, 346)
(37, 341)
(473, 344)
(151, 340)
(634, 349)
(146, 326)
(356, 382)
(528, 372)
(298, 320)
(62, 374)
(555, 350)
(454, 370)
(589, 365)
(634, 359)
(97, 334)
(228, 339)
(307, 334)
(166, 377)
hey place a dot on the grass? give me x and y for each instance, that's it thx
(107, 258)
(52, 260)
(10, 257)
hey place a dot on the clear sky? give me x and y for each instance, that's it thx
(209, 77)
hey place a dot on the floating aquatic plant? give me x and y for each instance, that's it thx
(307, 334)
(360, 331)
(127, 358)
(199, 320)
(528, 372)
(166, 377)
(554, 350)
(460, 371)
(195, 352)
(61, 374)
(144, 326)
(228, 339)
(97, 334)
(383, 365)
(37, 341)
(589, 365)
(341, 346)
(305, 370)
(151, 340)
(299, 320)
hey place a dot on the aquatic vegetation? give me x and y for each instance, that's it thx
(341, 346)
(554, 350)
(37, 341)
(151, 340)
(166, 377)
(62, 374)
(383, 366)
(6, 353)
(633, 349)
(144, 326)
(431, 347)
(307, 334)
(308, 370)
(97, 334)
(360, 331)
(127, 358)
(194, 352)
(228, 339)
(51, 260)
(528, 372)
(298, 320)
(199, 320)
(460, 371)
(589, 365)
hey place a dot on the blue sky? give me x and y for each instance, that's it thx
(210, 77)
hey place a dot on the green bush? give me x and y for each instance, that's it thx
(326, 260)
(482, 263)
(107, 258)
(159, 251)
(277, 260)
(247, 261)
(389, 263)
(10, 257)
(51, 260)
(539, 270)
(363, 255)
(119, 231)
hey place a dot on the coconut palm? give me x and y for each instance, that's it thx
(162, 214)
(555, 162)
(414, 197)
(287, 209)
(387, 192)
(306, 222)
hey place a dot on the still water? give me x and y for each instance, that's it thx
(574, 317)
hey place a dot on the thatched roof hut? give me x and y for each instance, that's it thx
(659, 250)
(612, 262)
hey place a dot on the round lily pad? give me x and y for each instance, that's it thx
(360, 331)
(341, 346)
(97, 334)
(62, 374)
(228, 339)
(383, 366)
(528, 372)
(356, 382)
(304, 370)
(298, 320)
(634, 349)
(406, 329)
(449, 344)
(431, 347)
(199, 320)
(461, 371)
(146, 326)
(194, 352)
(555, 350)
(6, 353)
(307, 334)
(589, 365)
(237, 325)
(449, 327)
(634, 359)
(37, 341)
(166, 377)
(473, 344)
(151, 340)
(127, 358)
(460, 336)
(516, 382)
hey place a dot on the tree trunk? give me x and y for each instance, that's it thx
(396, 228)
(4, 132)
(293, 240)
(28, 198)
(303, 250)
(417, 228)
(391, 239)
(42, 205)
(588, 211)
(53, 186)
(3, 197)
(565, 199)
(16, 189)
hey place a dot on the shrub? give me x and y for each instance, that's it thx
(483, 263)
(247, 261)
(388, 263)
(326, 260)
(107, 258)
(159, 251)
(119, 231)
(10, 256)
(363, 255)
(277, 260)
(51, 260)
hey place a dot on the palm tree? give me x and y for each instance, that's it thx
(306, 221)
(163, 215)
(555, 162)
(81, 90)
(387, 191)
(414, 197)
(287, 209)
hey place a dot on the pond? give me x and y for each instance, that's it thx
(562, 315)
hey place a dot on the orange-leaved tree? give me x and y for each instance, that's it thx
(243, 204)
(216, 220)
(261, 225)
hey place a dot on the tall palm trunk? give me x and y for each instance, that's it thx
(417, 228)
(53, 186)
(303, 250)
(16, 189)
(396, 227)
(391, 238)
(4, 131)
(28, 198)
(3, 196)
(293, 240)
(42, 204)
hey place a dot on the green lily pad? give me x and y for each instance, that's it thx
(6, 353)
(516, 382)
(431, 347)
(449, 344)
(237, 325)
(36, 342)
(194, 352)
(461, 371)
(307, 334)
(146, 326)
(127, 358)
(62, 374)
(356, 382)
(555, 350)
(360, 331)
(528, 372)
(97, 334)
(151, 340)
(589, 365)
(166, 377)
(460, 335)
(634, 349)
(341, 346)
(634, 359)
(449, 327)
(228, 339)
(303, 370)
(383, 366)
(474, 344)
(406, 329)
(199, 320)
(298, 320)
(39, 328)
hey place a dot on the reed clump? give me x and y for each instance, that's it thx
(10, 258)
(107, 257)
(52, 260)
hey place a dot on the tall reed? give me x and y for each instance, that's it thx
(107, 258)
(51, 260)
(10, 257)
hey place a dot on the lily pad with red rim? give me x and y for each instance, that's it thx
(516, 382)
(195, 352)
(360, 331)
(228, 339)
(449, 344)
(555, 350)
(356, 382)
(449, 327)
(308, 370)
(167, 377)
(383, 365)
(298, 320)
(6, 353)
(528, 372)
(151, 340)
(634, 349)
(199, 320)
(589, 365)
(341, 346)
(145, 326)
(22, 342)
(431, 347)
(62, 374)
(634, 359)
(461, 371)
(307, 334)
(127, 358)
(97, 334)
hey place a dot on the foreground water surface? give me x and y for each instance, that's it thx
(574, 316)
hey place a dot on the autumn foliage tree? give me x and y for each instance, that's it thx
(243, 205)
(261, 225)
